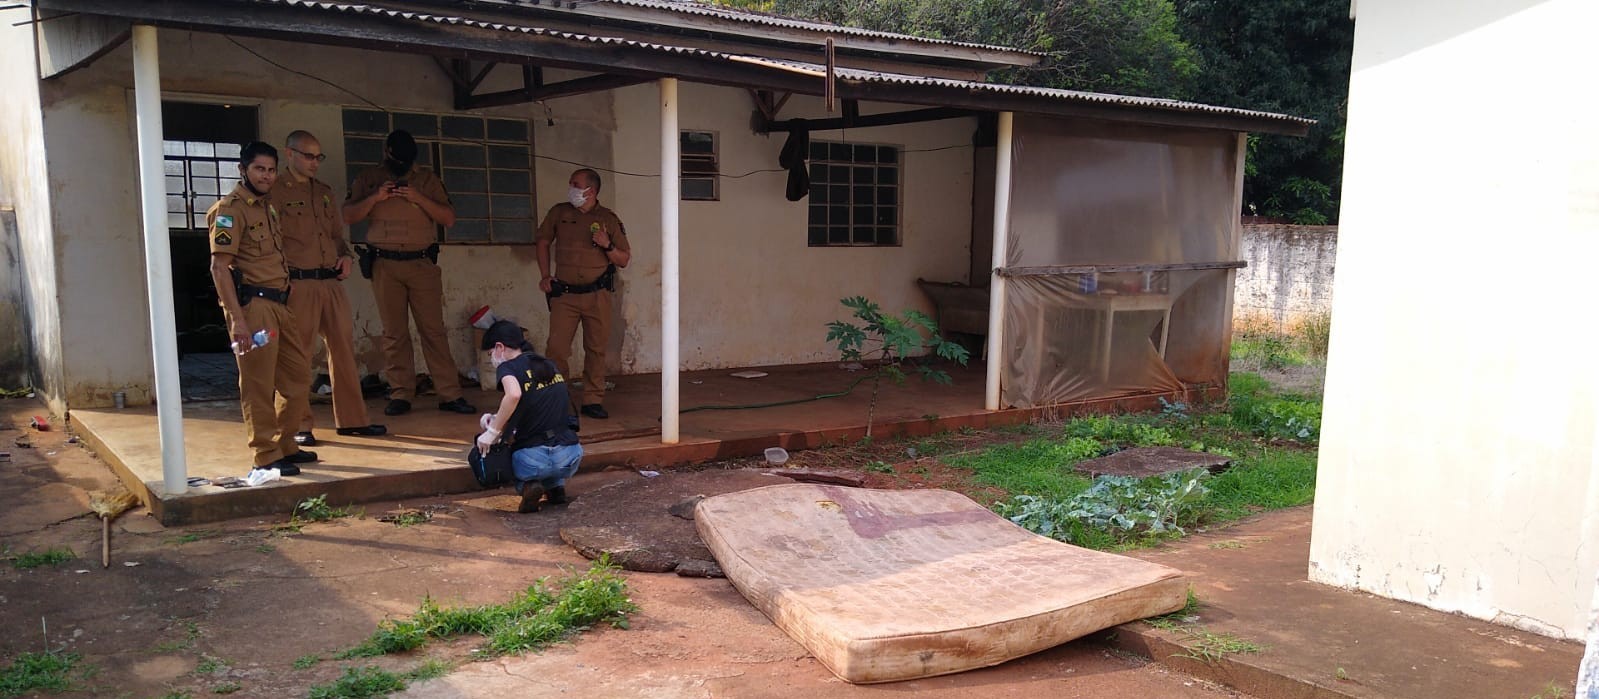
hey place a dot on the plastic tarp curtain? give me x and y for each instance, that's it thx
(1085, 193)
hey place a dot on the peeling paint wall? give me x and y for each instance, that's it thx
(1289, 279)
(23, 191)
(753, 292)
(1459, 464)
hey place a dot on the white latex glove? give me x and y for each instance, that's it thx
(487, 439)
(486, 421)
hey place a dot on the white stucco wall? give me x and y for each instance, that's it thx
(1458, 460)
(753, 292)
(22, 188)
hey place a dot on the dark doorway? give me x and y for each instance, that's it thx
(201, 144)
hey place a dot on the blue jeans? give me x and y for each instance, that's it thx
(548, 466)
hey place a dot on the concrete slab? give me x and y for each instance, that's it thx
(1251, 581)
(424, 451)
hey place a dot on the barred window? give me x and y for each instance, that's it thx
(701, 173)
(485, 163)
(197, 174)
(854, 198)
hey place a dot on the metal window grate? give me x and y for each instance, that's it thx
(855, 195)
(700, 170)
(485, 163)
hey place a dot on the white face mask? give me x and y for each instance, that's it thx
(577, 195)
(495, 358)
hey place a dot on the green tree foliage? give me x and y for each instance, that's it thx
(1288, 56)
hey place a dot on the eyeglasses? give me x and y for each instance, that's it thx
(319, 157)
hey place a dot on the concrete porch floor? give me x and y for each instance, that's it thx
(423, 454)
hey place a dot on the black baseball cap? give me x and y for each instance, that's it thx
(506, 333)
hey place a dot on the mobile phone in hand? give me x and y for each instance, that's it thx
(401, 183)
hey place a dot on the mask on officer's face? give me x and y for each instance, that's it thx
(577, 195)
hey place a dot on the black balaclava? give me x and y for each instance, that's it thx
(401, 149)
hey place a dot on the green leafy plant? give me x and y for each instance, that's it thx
(887, 342)
(50, 671)
(317, 509)
(227, 688)
(360, 683)
(306, 661)
(879, 467)
(47, 557)
(1125, 507)
(540, 615)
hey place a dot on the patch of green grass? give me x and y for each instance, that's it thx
(1035, 467)
(208, 665)
(306, 661)
(265, 549)
(1229, 544)
(542, 614)
(879, 467)
(47, 557)
(359, 683)
(31, 672)
(1210, 648)
(1552, 691)
(411, 518)
(1186, 615)
(373, 681)
(1255, 408)
(317, 509)
(176, 694)
(227, 688)
(191, 633)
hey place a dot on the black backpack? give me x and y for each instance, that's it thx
(494, 469)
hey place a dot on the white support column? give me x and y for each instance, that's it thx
(158, 259)
(669, 273)
(996, 284)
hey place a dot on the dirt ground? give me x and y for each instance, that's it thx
(245, 600)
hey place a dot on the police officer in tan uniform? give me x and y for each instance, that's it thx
(252, 281)
(319, 260)
(404, 203)
(589, 244)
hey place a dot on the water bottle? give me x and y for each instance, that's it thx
(260, 338)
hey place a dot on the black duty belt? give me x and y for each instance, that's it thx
(606, 282)
(322, 273)
(247, 292)
(401, 256)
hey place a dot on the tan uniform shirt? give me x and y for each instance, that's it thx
(396, 224)
(577, 261)
(313, 228)
(246, 226)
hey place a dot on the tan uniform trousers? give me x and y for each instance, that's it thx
(279, 367)
(593, 310)
(321, 308)
(407, 289)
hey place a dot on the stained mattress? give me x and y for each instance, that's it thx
(886, 585)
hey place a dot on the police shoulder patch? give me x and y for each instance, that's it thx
(222, 238)
(224, 221)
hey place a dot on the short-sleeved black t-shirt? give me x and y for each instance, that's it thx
(541, 416)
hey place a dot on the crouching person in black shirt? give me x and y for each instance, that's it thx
(534, 418)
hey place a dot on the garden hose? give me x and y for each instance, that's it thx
(774, 404)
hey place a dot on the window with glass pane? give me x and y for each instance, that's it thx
(700, 172)
(854, 198)
(486, 165)
(197, 174)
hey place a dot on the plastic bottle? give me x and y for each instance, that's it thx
(260, 338)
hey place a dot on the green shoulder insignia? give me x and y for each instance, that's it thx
(222, 238)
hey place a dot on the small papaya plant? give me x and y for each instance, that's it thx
(886, 342)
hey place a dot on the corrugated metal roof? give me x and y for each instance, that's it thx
(848, 74)
(690, 7)
(867, 76)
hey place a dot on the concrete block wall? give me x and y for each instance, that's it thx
(1289, 278)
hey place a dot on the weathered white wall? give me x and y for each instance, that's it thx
(1289, 279)
(1458, 466)
(753, 292)
(22, 188)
